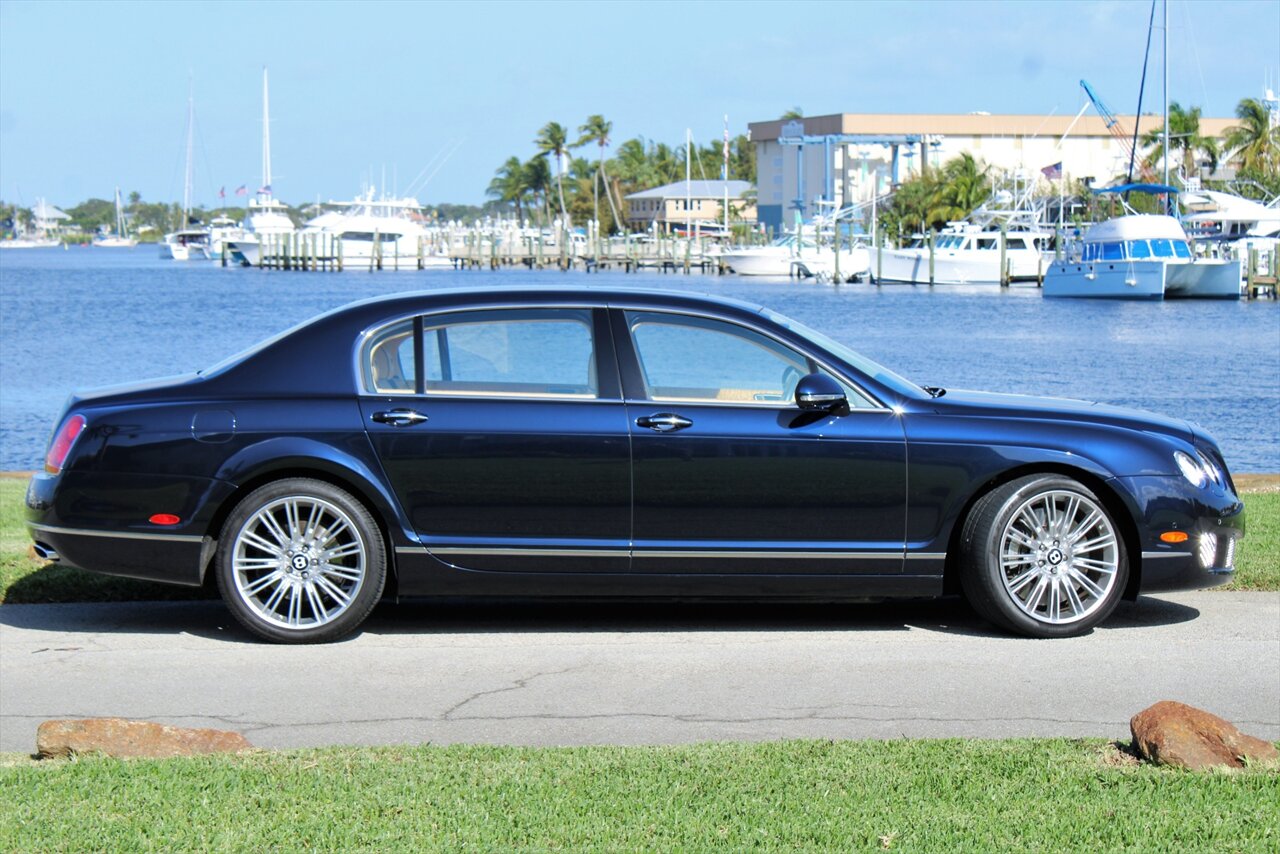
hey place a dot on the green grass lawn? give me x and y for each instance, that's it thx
(1025, 795)
(24, 579)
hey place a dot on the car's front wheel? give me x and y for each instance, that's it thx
(1043, 557)
(301, 561)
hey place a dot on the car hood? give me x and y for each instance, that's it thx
(981, 403)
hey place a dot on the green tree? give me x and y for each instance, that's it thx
(962, 186)
(793, 113)
(553, 140)
(1184, 136)
(1254, 144)
(597, 130)
(536, 175)
(508, 185)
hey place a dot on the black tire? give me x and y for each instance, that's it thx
(1018, 557)
(290, 579)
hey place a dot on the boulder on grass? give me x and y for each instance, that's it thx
(1172, 733)
(121, 738)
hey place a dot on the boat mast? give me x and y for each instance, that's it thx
(1168, 201)
(266, 139)
(186, 186)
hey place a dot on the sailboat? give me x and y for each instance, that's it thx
(120, 239)
(186, 243)
(266, 215)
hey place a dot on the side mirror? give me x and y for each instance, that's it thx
(821, 393)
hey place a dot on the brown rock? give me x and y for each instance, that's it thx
(120, 737)
(1172, 733)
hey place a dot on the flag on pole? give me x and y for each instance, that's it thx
(1053, 172)
(265, 188)
(222, 193)
(242, 190)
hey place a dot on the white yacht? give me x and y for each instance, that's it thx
(187, 244)
(1141, 256)
(965, 254)
(777, 259)
(969, 252)
(223, 231)
(368, 232)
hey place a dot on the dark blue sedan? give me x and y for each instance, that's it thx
(591, 443)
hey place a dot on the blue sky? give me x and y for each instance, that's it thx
(94, 94)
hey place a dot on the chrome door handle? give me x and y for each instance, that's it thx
(664, 422)
(399, 417)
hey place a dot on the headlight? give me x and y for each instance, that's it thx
(1211, 468)
(1191, 469)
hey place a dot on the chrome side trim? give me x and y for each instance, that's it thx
(118, 535)
(521, 552)
(1158, 555)
(516, 551)
(776, 553)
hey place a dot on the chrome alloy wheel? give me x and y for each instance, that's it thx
(1059, 557)
(299, 562)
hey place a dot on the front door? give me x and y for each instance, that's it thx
(730, 476)
(505, 438)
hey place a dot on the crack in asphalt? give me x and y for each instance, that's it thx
(516, 686)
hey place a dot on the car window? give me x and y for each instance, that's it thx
(539, 353)
(692, 359)
(388, 360)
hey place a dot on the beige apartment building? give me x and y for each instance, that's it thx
(846, 158)
(687, 203)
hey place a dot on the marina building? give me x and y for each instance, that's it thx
(684, 203)
(847, 158)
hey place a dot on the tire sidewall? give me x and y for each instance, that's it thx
(987, 550)
(375, 561)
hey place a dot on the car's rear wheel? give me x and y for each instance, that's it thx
(1043, 557)
(301, 561)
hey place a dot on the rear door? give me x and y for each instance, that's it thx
(504, 436)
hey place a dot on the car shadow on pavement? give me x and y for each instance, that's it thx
(211, 620)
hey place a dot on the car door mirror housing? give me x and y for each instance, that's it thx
(821, 393)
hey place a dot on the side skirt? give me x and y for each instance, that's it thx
(420, 574)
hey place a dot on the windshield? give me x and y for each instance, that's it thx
(875, 370)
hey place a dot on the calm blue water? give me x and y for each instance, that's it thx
(85, 317)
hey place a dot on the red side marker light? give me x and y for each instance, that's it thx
(1174, 537)
(164, 519)
(60, 447)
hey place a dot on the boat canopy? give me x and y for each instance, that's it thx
(1158, 189)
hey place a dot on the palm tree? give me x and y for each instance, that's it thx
(553, 139)
(1254, 144)
(535, 176)
(597, 130)
(1184, 134)
(508, 184)
(793, 113)
(961, 186)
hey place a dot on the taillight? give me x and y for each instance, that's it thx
(60, 447)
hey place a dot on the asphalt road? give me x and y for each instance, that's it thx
(529, 673)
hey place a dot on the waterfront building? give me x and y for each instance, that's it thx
(685, 203)
(46, 219)
(846, 158)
